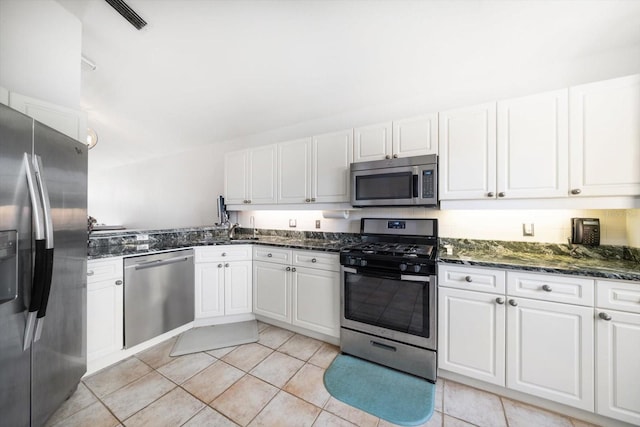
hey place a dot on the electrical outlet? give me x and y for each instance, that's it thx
(142, 237)
(527, 229)
(292, 223)
(317, 223)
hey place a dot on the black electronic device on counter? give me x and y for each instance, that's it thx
(585, 231)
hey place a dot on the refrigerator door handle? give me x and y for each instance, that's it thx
(39, 269)
(48, 230)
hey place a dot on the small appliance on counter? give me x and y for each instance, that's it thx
(585, 231)
(223, 215)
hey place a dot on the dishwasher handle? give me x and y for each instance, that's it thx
(160, 262)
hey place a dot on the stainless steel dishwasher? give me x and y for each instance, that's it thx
(158, 294)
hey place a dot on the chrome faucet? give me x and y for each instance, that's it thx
(232, 230)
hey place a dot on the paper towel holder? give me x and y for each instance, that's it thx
(337, 214)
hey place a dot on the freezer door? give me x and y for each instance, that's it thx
(59, 356)
(15, 277)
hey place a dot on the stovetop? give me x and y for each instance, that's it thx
(392, 249)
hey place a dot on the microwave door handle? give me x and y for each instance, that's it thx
(416, 182)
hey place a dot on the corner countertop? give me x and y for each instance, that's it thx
(619, 263)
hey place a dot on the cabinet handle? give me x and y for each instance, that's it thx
(307, 200)
(605, 316)
(387, 156)
(90, 273)
(500, 300)
(288, 268)
(269, 255)
(244, 201)
(118, 282)
(313, 199)
(468, 279)
(314, 260)
(226, 265)
(576, 191)
(501, 194)
(224, 254)
(513, 303)
(293, 269)
(395, 156)
(219, 265)
(546, 288)
(490, 194)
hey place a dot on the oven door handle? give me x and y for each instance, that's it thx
(412, 278)
(349, 270)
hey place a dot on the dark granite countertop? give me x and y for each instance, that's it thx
(609, 262)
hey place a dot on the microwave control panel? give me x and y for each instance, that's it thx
(428, 184)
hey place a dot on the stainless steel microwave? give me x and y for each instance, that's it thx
(409, 181)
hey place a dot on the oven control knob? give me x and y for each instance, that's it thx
(403, 267)
(416, 268)
(352, 261)
(363, 263)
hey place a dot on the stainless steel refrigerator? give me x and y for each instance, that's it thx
(43, 262)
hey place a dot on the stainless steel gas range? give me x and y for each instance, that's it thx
(388, 295)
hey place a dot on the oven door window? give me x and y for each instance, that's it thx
(389, 186)
(387, 302)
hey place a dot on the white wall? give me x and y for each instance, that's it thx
(40, 50)
(550, 226)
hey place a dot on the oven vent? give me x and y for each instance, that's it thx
(127, 13)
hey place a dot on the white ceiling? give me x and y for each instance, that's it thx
(205, 71)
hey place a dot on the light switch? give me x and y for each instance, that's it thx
(292, 223)
(527, 229)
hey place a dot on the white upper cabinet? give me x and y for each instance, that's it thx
(68, 121)
(262, 174)
(605, 138)
(250, 176)
(372, 142)
(236, 173)
(294, 172)
(414, 136)
(533, 146)
(468, 152)
(332, 154)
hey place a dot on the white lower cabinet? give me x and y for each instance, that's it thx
(223, 281)
(298, 287)
(540, 347)
(105, 307)
(618, 350)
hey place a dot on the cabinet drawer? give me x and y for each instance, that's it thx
(471, 278)
(320, 260)
(551, 287)
(104, 269)
(223, 253)
(271, 254)
(618, 295)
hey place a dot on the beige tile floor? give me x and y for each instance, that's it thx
(274, 382)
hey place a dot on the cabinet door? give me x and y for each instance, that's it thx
(105, 311)
(209, 290)
(372, 142)
(4, 96)
(316, 300)
(533, 146)
(235, 177)
(271, 290)
(471, 336)
(415, 136)
(237, 287)
(70, 122)
(332, 154)
(294, 171)
(467, 147)
(550, 351)
(605, 138)
(262, 175)
(618, 369)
